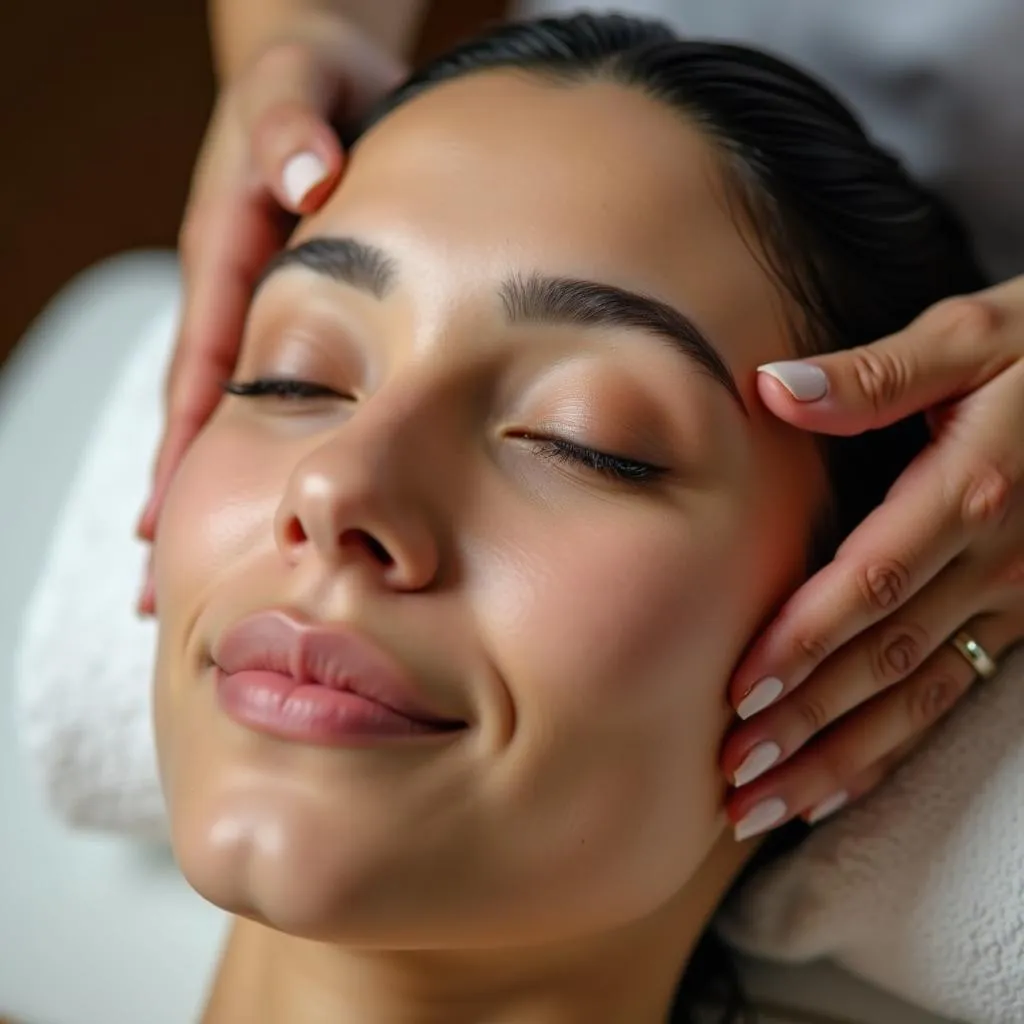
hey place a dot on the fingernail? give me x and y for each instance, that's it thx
(765, 692)
(804, 381)
(828, 806)
(301, 173)
(761, 817)
(757, 762)
(146, 604)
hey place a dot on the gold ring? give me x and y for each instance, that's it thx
(976, 656)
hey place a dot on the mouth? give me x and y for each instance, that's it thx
(322, 684)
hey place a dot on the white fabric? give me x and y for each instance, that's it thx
(937, 81)
(85, 661)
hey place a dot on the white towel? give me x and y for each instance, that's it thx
(919, 889)
(85, 660)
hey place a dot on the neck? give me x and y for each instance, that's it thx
(267, 977)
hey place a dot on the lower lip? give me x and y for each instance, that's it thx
(277, 705)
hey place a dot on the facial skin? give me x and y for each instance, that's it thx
(583, 626)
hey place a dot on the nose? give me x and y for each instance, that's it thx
(353, 503)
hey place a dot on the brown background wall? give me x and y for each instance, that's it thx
(102, 109)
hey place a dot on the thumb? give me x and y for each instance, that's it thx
(944, 354)
(285, 103)
(298, 156)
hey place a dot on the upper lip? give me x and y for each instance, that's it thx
(333, 655)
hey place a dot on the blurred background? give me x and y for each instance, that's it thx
(104, 106)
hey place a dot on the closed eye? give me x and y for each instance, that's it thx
(280, 387)
(616, 467)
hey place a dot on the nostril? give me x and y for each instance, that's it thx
(294, 534)
(371, 544)
(379, 551)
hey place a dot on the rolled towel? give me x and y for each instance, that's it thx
(85, 660)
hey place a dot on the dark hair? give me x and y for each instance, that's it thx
(856, 244)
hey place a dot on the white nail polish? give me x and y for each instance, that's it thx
(761, 817)
(804, 381)
(301, 173)
(765, 693)
(828, 806)
(757, 762)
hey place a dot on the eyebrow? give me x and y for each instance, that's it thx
(348, 260)
(532, 299)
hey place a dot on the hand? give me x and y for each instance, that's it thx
(859, 652)
(269, 154)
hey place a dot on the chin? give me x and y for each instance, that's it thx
(267, 857)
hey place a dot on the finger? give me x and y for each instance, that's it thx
(146, 605)
(949, 351)
(867, 781)
(285, 113)
(227, 240)
(949, 495)
(875, 731)
(881, 657)
(891, 555)
(299, 157)
(859, 786)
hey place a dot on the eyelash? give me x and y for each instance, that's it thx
(628, 471)
(279, 387)
(615, 467)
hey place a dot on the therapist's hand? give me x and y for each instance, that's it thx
(269, 155)
(856, 666)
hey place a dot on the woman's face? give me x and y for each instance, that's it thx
(511, 275)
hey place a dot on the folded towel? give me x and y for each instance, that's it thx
(919, 888)
(85, 660)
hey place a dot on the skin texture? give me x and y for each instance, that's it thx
(555, 860)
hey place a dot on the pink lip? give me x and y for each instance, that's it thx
(318, 684)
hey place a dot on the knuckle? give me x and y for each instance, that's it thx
(967, 320)
(280, 59)
(883, 584)
(897, 652)
(272, 129)
(813, 713)
(931, 698)
(1009, 575)
(881, 377)
(812, 647)
(985, 494)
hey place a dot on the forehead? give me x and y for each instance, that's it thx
(501, 172)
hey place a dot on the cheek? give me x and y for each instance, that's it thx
(620, 612)
(219, 509)
(615, 637)
(218, 513)
(616, 633)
